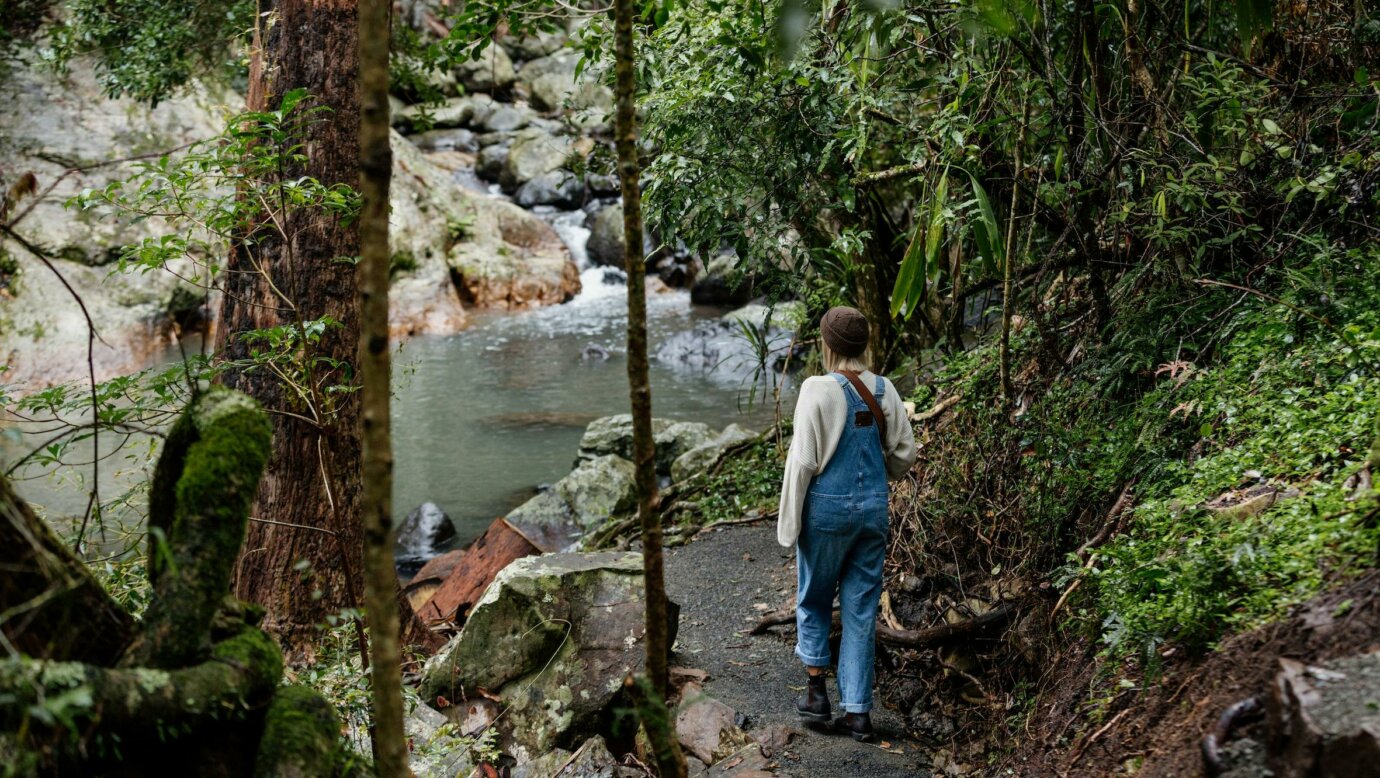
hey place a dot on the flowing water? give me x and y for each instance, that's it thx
(483, 417)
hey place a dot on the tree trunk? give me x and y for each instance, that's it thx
(381, 580)
(661, 730)
(311, 489)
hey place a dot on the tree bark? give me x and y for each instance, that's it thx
(381, 580)
(54, 609)
(660, 730)
(311, 489)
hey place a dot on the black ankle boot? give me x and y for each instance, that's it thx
(814, 704)
(859, 725)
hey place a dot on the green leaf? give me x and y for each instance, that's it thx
(988, 231)
(1254, 18)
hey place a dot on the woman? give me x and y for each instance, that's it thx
(852, 434)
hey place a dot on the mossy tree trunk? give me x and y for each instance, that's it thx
(660, 728)
(380, 584)
(303, 271)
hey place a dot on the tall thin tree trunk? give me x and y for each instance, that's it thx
(380, 580)
(311, 488)
(660, 727)
(1010, 257)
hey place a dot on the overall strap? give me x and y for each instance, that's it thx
(871, 401)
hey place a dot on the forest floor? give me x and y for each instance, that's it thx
(723, 581)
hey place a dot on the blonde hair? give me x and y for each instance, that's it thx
(834, 362)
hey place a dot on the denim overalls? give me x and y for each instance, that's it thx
(841, 549)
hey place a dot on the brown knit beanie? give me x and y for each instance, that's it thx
(844, 331)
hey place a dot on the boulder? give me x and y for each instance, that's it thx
(507, 118)
(466, 111)
(606, 245)
(786, 316)
(491, 70)
(560, 188)
(706, 727)
(425, 532)
(613, 435)
(719, 286)
(491, 161)
(52, 124)
(529, 47)
(425, 207)
(510, 258)
(552, 639)
(453, 139)
(595, 490)
(701, 457)
(1324, 720)
(533, 152)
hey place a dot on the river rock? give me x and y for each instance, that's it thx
(466, 111)
(786, 316)
(533, 152)
(597, 489)
(426, 531)
(491, 161)
(701, 457)
(51, 124)
(508, 118)
(606, 246)
(552, 638)
(613, 435)
(425, 207)
(529, 47)
(718, 286)
(512, 259)
(560, 188)
(491, 70)
(1324, 720)
(453, 139)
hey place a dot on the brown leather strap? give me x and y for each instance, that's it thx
(867, 397)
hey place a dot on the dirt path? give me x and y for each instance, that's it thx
(717, 580)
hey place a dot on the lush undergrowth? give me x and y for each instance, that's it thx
(1235, 395)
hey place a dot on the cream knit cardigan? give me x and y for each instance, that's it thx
(820, 415)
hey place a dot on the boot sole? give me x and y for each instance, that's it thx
(817, 718)
(864, 737)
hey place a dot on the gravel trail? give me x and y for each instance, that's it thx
(717, 580)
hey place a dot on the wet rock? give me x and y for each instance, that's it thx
(512, 259)
(594, 353)
(719, 286)
(507, 118)
(560, 188)
(551, 639)
(425, 532)
(773, 739)
(606, 245)
(604, 184)
(533, 152)
(699, 458)
(613, 435)
(491, 70)
(1325, 720)
(491, 161)
(454, 139)
(747, 762)
(466, 111)
(787, 316)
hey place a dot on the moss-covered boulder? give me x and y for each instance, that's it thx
(701, 457)
(597, 490)
(613, 435)
(552, 637)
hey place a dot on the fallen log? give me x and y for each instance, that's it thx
(909, 638)
(474, 571)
